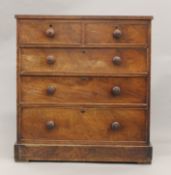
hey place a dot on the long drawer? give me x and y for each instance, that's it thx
(96, 61)
(106, 124)
(83, 90)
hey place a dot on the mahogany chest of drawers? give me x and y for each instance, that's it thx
(83, 88)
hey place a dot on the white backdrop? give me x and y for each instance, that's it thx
(161, 82)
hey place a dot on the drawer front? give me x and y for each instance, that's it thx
(107, 124)
(112, 33)
(84, 60)
(83, 90)
(49, 32)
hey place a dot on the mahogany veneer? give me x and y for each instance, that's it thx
(83, 88)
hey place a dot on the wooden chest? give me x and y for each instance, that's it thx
(83, 88)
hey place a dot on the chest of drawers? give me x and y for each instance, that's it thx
(83, 88)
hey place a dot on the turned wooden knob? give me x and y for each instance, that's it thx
(50, 124)
(50, 59)
(116, 91)
(117, 60)
(50, 32)
(117, 33)
(115, 126)
(51, 90)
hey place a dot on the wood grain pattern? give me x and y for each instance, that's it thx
(102, 33)
(100, 153)
(83, 89)
(84, 124)
(97, 61)
(34, 31)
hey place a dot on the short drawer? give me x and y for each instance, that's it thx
(83, 89)
(96, 61)
(49, 32)
(106, 124)
(114, 33)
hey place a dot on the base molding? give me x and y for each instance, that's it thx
(83, 153)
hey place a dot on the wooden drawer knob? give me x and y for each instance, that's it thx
(51, 90)
(116, 91)
(50, 59)
(50, 124)
(116, 60)
(115, 126)
(117, 33)
(50, 32)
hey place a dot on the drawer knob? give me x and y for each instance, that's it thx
(50, 124)
(117, 60)
(50, 59)
(115, 126)
(51, 90)
(117, 33)
(50, 32)
(116, 91)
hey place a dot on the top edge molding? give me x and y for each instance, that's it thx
(19, 16)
